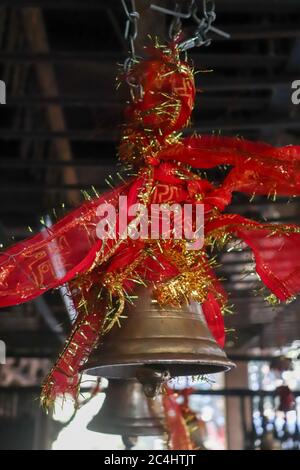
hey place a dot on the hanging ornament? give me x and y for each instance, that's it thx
(103, 272)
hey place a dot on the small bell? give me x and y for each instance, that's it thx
(155, 343)
(127, 412)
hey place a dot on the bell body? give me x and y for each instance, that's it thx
(126, 411)
(173, 339)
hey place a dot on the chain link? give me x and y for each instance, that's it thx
(131, 27)
(130, 35)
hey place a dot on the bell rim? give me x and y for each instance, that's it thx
(117, 428)
(221, 365)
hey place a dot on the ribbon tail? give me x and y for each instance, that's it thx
(64, 377)
(276, 250)
(179, 436)
(213, 315)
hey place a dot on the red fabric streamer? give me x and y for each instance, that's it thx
(179, 437)
(276, 252)
(64, 378)
(214, 318)
(258, 168)
(57, 254)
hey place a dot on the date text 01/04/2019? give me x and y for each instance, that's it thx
(151, 459)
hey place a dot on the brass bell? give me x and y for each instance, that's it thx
(156, 343)
(127, 412)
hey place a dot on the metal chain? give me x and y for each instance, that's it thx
(130, 35)
(131, 29)
(204, 24)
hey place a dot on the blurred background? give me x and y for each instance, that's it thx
(59, 129)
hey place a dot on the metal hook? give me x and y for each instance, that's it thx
(178, 15)
(208, 11)
(204, 24)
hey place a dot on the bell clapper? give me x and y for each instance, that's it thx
(129, 442)
(152, 379)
